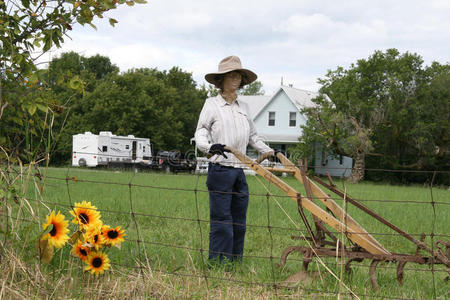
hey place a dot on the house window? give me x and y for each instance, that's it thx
(292, 119)
(127, 146)
(105, 149)
(271, 118)
(324, 158)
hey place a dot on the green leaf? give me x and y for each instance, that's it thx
(37, 42)
(25, 3)
(42, 107)
(47, 230)
(47, 43)
(76, 83)
(112, 21)
(32, 108)
(33, 78)
(17, 121)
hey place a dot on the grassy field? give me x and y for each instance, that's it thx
(170, 226)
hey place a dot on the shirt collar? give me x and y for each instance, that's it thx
(223, 102)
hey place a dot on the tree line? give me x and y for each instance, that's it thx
(91, 94)
(388, 111)
(161, 105)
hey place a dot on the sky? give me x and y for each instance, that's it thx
(296, 41)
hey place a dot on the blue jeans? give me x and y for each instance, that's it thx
(228, 202)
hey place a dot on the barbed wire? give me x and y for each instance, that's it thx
(141, 242)
(76, 179)
(246, 256)
(439, 235)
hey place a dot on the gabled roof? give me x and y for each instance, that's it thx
(255, 103)
(301, 98)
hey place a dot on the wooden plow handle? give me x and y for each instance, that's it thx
(263, 156)
(346, 225)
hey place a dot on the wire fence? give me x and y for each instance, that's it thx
(158, 239)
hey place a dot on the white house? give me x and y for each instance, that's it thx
(278, 119)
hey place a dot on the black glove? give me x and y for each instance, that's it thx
(274, 157)
(218, 149)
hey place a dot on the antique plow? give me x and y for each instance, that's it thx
(323, 242)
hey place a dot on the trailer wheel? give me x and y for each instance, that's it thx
(82, 162)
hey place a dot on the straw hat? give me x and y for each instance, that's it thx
(229, 64)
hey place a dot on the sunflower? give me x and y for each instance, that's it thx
(112, 236)
(58, 235)
(86, 215)
(97, 262)
(80, 250)
(93, 237)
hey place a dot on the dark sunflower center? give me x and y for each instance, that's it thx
(112, 234)
(83, 252)
(97, 262)
(53, 231)
(84, 218)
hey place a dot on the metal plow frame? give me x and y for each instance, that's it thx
(323, 242)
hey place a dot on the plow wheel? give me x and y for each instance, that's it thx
(307, 255)
(373, 274)
(348, 269)
(364, 245)
(303, 277)
(400, 267)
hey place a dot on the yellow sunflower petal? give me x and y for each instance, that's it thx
(94, 238)
(85, 215)
(113, 236)
(97, 263)
(58, 235)
(81, 251)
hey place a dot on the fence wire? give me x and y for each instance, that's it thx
(141, 242)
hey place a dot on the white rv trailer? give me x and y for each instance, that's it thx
(92, 150)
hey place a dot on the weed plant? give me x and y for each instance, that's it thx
(165, 252)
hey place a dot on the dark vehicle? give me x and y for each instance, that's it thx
(173, 161)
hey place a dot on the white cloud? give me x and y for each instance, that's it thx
(297, 23)
(299, 40)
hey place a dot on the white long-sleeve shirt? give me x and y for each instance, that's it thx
(229, 124)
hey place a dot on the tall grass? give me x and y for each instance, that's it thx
(166, 222)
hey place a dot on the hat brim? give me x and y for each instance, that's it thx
(247, 76)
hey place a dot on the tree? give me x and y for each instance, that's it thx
(212, 91)
(27, 28)
(161, 105)
(254, 88)
(375, 108)
(60, 73)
